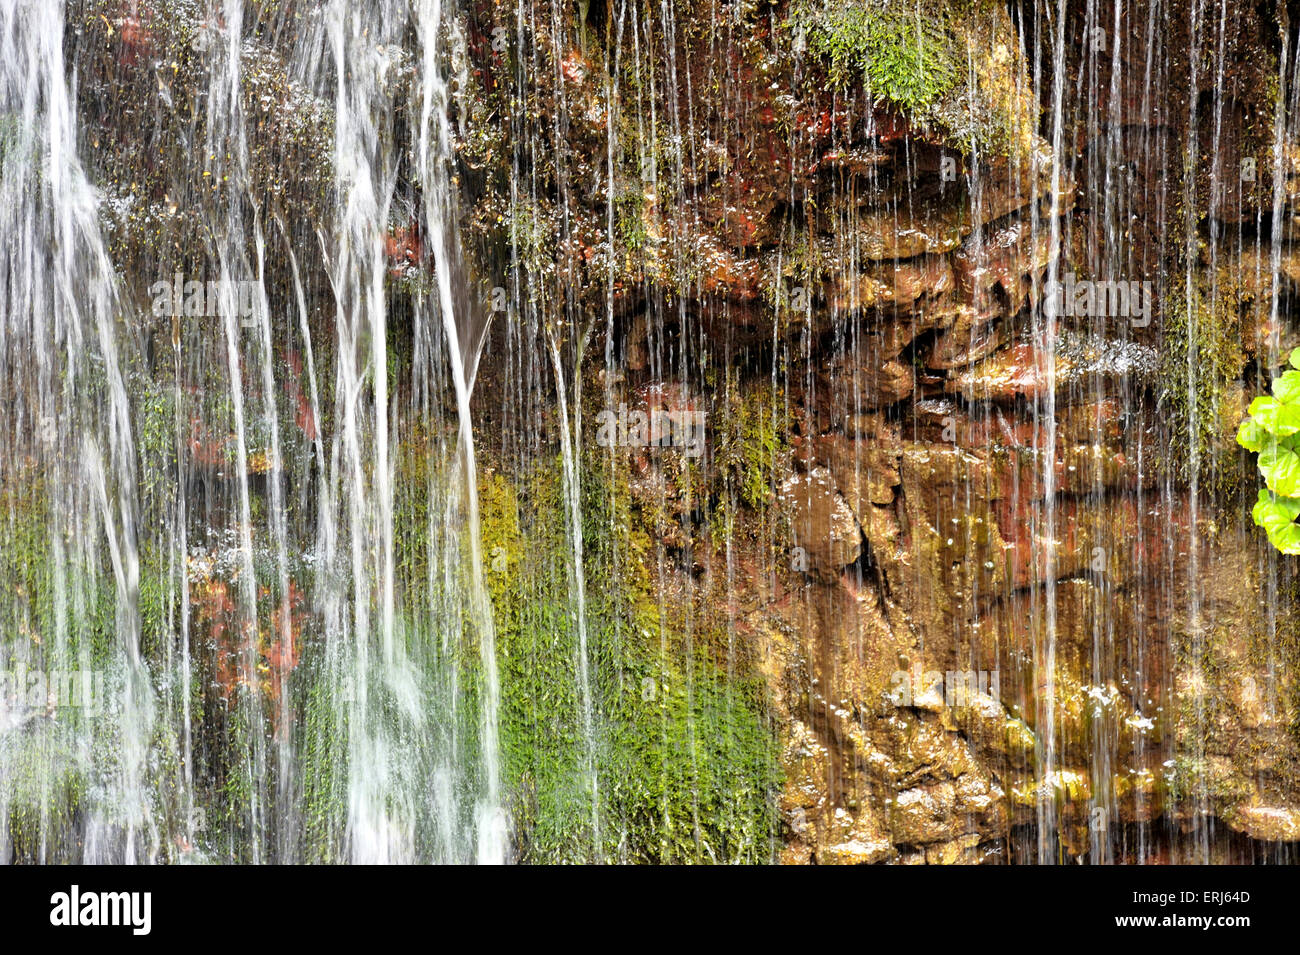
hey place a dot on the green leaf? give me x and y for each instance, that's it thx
(1273, 430)
(1287, 388)
(1271, 511)
(1276, 417)
(1280, 466)
(1287, 539)
(1277, 516)
(1253, 436)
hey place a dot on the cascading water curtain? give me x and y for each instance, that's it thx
(816, 431)
(86, 786)
(241, 457)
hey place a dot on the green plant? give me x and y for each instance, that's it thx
(750, 442)
(1200, 355)
(904, 56)
(1273, 431)
(685, 760)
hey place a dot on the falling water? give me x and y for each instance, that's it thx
(628, 431)
(60, 294)
(465, 339)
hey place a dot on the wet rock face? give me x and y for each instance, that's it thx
(944, 537)
(826, 533)
(986, 537)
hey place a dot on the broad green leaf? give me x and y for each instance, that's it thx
(1287, 388)
(1281, 469)
(1274, 513)
(1276, 417)
(1253, 436)
(1286, 539)
(1273, 431)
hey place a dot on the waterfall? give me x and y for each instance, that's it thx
(624, 431)
(466, 333)
(71, 414)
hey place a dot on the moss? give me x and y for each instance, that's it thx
(324, 764)
(45, 763)
(751, 444)
(903, 54)
(531, 229)
(1198, 398)
(629, 222)
(955, 71)
(44, 793)
(685, 758)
